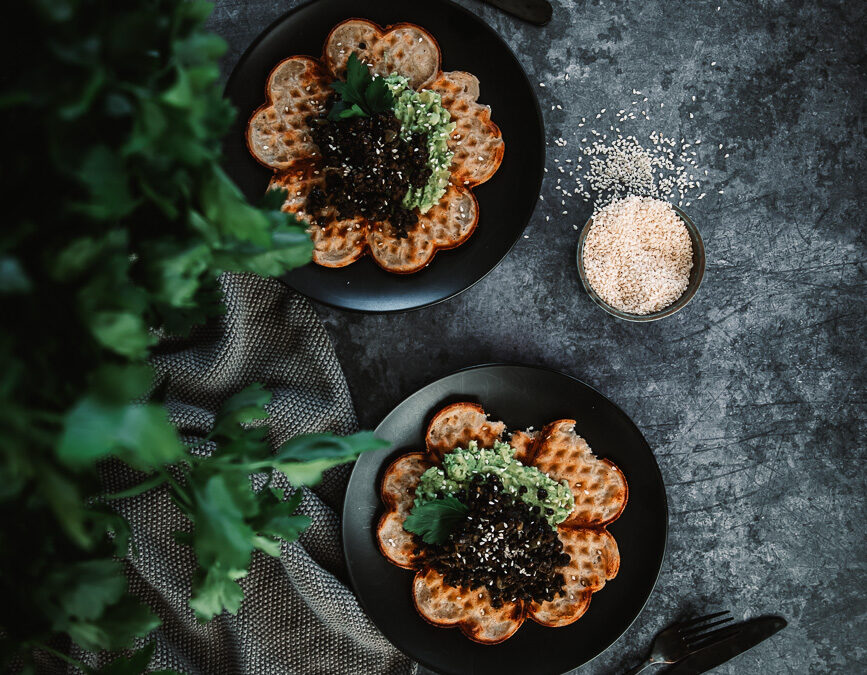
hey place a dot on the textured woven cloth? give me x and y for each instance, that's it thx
(298, 614)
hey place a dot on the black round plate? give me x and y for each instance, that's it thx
(506, 201)
(521, 396)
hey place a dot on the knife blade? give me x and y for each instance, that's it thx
(535, 11)
(750, 634)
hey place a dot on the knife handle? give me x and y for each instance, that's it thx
(534, 11)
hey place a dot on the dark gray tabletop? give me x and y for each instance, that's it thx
(752, 396)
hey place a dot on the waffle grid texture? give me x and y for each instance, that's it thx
(299, 615)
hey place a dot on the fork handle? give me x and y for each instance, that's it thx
(641, 666)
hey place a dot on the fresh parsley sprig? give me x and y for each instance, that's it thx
(142, 222)
(433, 521)
(361, 94)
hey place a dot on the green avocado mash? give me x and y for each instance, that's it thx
(460, 465)
(423, 112)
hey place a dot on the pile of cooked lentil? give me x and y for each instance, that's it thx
(369, 168)
(638, 255)
(504, 545)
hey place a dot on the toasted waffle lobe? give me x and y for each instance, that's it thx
(398, 493)
(476, 142)
(470, 610)
(277, 134)
(400, 255)
(456, 425)
(446, 225)
(594, 560)
(562, 610)
(336, 242)
(404, 48)
(523, 442)
(598, 485)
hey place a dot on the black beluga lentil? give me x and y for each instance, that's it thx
(504, 544)
(369, 168)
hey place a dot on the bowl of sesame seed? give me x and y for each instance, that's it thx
(640, 258)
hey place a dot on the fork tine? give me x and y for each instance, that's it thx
(693, 622)
(707, 639)
(692, 632)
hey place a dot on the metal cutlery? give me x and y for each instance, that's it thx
(750, 633)
(682, 639)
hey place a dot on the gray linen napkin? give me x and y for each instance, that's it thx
(298, 616)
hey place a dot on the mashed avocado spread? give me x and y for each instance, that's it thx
(422, 112)
(555, 500)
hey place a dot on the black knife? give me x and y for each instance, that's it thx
(750, 633)
(534, 11)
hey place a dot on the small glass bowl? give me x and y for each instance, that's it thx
(696, 274)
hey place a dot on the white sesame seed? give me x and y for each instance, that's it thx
(638, 255)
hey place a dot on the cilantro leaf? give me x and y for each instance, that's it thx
(435, 520)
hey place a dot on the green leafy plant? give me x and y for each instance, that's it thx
(433, 521)
(119, 223)
(361, 95)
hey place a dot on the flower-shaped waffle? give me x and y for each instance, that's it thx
(278, 137)
(600, 492)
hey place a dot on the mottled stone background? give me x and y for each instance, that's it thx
(753, 396)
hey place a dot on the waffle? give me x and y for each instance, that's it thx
(404, 48)
(471, 611)
(523, 442)
(446, 225)
(336, 242)
(476, 142)
(456, 425)
(398, 492)
(598, 485)
(595, 560)
(277, 137)
(277, 133)
(594, 556)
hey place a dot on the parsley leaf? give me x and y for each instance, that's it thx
(131, 144)
(361, 94)
(435, 520)
(378, 96)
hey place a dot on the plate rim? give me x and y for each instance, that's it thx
(543, 151)
(547, 369)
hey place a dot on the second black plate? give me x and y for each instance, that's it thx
(506, 202)
(521, 396)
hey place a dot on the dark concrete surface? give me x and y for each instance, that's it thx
(753, 396)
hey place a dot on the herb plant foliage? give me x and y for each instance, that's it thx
(118, 221)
